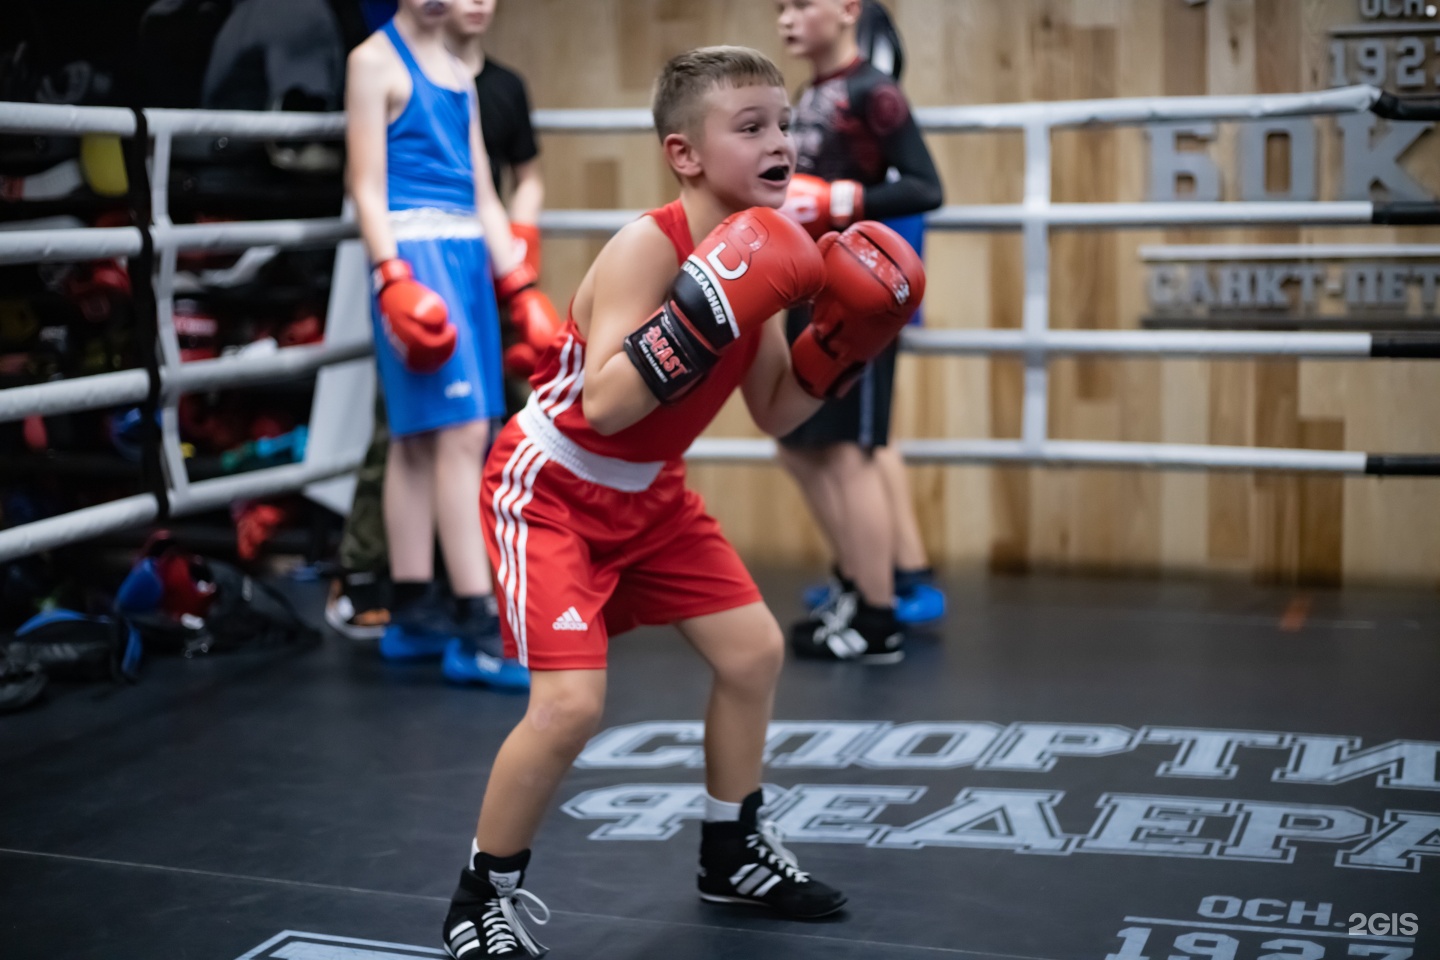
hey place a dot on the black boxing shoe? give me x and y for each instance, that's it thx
(484, 918)
(743, 861)
(848, 628)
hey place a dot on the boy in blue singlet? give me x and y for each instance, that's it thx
(432, 224)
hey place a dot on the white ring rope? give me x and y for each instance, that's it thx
(1147, 343)
(1072, 453)
(1017, 116)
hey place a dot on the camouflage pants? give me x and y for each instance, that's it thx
(362, 547)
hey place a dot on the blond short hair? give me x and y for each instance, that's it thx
(688, 77)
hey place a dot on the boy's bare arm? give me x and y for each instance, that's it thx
(368, 87)
(631, 277)
(776, 401)
(529, 196)
(487, 203)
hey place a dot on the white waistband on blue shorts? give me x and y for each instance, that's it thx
(622, 475)
(432, 223)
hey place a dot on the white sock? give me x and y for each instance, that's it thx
(474, 851)
(718, 811)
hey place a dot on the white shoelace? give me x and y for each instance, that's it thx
(767, 842)
(503, 926)
(836, 631)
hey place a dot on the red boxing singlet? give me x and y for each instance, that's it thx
(666, 433)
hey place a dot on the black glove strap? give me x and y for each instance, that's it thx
(670, 358)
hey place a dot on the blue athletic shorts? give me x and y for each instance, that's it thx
(912, 228)
(470, 386)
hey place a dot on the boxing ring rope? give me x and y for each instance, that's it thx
(175, 377)
(1035, 217)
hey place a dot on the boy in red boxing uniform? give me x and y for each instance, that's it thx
(589, 524)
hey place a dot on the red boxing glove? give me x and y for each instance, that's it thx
(96, 289)
(417, 322)
(256, 524)
(533, 315)
(873, 284)
(526, 237)
(752, 265)
(536, 323)
(820, 207)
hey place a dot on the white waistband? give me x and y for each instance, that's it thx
(617, 474)
(432, 223)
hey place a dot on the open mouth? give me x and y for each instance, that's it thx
(776, 174)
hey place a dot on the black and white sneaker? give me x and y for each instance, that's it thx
(743, 861)
(356, 607)
(848, 628)
(484, 918)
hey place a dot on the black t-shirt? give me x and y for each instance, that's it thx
(855, 124)
(504, 118)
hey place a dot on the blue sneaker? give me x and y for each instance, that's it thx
(400, 643)
(819, 595)
(476, 655)
(922, 603)
(466, 663)
(418, 631)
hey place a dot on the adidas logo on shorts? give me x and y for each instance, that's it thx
(570, 620)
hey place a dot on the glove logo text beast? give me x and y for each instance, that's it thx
(662, 355)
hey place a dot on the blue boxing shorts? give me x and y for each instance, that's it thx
(912, 229)
(447, 253)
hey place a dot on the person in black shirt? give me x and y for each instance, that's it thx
(860, 156)
(504, 113)
(509, 138)
(510, 143)
(918, 597)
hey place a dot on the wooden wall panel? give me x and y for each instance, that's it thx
(605, 53)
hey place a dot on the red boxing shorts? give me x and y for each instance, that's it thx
(584, 546)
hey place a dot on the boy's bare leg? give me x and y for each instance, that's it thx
(909, 543)
(818, 488)
(847, 495)
(459, 456)
(855, 513)
(410, 507)
(745, 650)
(564, 713)
(865, 537)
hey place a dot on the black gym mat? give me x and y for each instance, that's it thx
(1063, 770)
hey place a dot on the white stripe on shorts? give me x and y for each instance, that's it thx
(517, 488)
